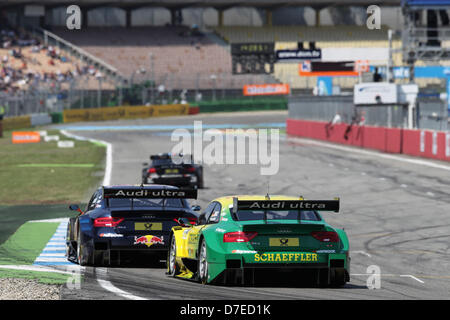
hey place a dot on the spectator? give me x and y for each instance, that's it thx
(329, 126)
(2, 113)
(376, 76)
(357, 119)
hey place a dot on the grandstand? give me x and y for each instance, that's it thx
(27, 62)
(189, 46)
(177, 56)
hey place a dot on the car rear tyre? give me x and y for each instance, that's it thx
(200, 184)
(203, 270)
(82, 256)
(172, 267)
(80, 253)
(338, 277)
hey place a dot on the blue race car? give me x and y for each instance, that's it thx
(122, 222)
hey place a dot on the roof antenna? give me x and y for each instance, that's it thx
(268, 188)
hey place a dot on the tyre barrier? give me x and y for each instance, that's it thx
(413, 142)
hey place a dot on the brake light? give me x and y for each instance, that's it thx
(192, 220)
(152, 170)
(325, 236)
(190, 169)
(239, 236)
(107, 222)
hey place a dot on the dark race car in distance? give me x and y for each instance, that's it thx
(124, 222)
(175, 170)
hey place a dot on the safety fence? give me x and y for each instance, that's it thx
(432, 113)
(421, 143)
(324, 108)
(243, 104)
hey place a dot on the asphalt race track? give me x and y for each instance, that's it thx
(396, 214)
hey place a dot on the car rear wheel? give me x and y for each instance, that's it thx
(82, 256)
(172, 266)
(80, 253)
(200, 184)
(203, 264)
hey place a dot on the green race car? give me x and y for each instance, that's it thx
(242, 238)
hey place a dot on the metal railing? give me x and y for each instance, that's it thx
(324, 108)
(87, 91)
(48, 37)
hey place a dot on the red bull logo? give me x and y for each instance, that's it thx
(148, 240)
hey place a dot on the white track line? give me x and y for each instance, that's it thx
(389, 275)
(36, 268)
(412, 277)
(101, 272)
(108, 166)
(370, 153)
(363, 253)
(108, 286)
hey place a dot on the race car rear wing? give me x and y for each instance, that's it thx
(285, 205)
(148, 193)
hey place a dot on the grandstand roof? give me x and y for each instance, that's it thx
(198, 3)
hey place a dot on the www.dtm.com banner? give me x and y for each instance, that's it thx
(265, 89)
(131, 112)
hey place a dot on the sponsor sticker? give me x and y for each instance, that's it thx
(265, 89)
(26, 137)
(326, 205)
(283, 242)
(148, 240)
(147, 226)
(243, 251)
(285, 257)
(111, 235)
(148, 193)
(422, 141)
(434, 147)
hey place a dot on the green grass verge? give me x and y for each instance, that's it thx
(26, 244)
(24, 180)
(12, 217)
(37, 181)
(43, 277)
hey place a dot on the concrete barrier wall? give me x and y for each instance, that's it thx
(420, 143)
(12, 123)
(124, 112)
(40, 119)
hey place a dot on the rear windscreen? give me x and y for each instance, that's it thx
(162, 162)
(246, 215)
(141, 202)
